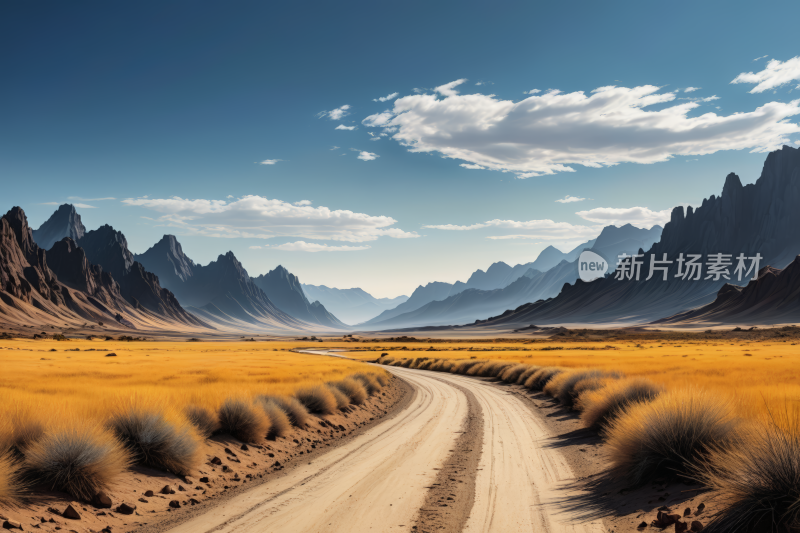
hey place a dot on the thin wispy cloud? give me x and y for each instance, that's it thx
(343, 127)
(638, 216)
(335, 148)
(569, 199)
(691, 89)
(80, 199)
(263, 218)
(471, 166)
(78, 205)
(760, 58)
(386, 98)
(303, 202)
(302, 246)
(544, 229)
(335, 114)
(776, 74)
(554, 131)
(269, 161)
(532, 91)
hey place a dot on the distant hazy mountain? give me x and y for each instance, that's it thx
(285, 291)
(65, 222)
(504, 287)
(472, 304)
(756, 218)
(221, 292)
(352, 306)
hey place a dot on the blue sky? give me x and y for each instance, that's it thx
(144, 102)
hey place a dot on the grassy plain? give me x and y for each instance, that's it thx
(55, 382)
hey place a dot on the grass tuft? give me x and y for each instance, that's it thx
(243, 420)
(204, 420)
(342, 400)
(280, 420)
(369, 382)
(318, 399)
(562, 387)
(541, 377)
(667, 435)
(598, 407)
(353, 389)
(757, 483)
(296, 411)
(81, 460)
(11, 486)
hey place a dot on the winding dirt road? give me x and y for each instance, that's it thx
(378, 482)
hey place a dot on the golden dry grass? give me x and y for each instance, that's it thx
(72, 416)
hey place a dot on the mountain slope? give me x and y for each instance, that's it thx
(64, 222)
(285, 291)
(221, 292)
(353, 306)
(757, 218)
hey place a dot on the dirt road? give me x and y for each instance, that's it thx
(378, 482)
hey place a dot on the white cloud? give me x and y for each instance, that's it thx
(759, 58)
(379, 119)
(471, 166)
(335, 148)
(302, 246)
(258, 217)
(374, 137)
(532, 91)
(535, 229)
(256, 247)
(303, 202)
(335, 114)
(343, 127)
(90, 199)
(229, 196)
(545, 134)
(775, 74)
(449, 89)
(367, 156)
(569, 199)
(269, 161)
(386, 98)
(691, 89)
(638, 216)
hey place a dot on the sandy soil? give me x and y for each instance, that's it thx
(213, 484)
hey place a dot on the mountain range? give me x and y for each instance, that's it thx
(754, 219)
(353, 306)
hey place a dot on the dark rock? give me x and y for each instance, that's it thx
(149, 493)
(166, 489)
(216, 461)
(175, 504)
(71, 513)
(101, 500)
(125, 508)
(696, 526)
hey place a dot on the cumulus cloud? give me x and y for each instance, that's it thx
(269, 161)
(569, 199)
(638, 216)
(547, 133)
(78, 198)
(471, 166)
(303, 202)
(259, 217)
(302, 246)
(335, 114)
(533, 229)
(691, 89)
(386, 98)
(367, 156)
(343, 127)
(378, 120)
(775, 74)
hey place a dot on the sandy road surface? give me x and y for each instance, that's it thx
(375, 483)
(378, 481)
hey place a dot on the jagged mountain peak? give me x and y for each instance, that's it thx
(64, 222)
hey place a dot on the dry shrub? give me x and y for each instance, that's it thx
(242, 420)
(512, 373)
(156, 439)
(601, 405)
(665, 436)
(369, 382)
(10, 482)
(296, 411)
(541, 377)
(757, 482)
(80, 460)
(385, 360)
(588, 385)
(382, 378)
(522, 378)
(353, 389)
(204, 420)
(280, 420)
(342, 400)
(563, 386)
(495, 368)
(318, 399)
(406, 363)
(463, 367)
(22, 426)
